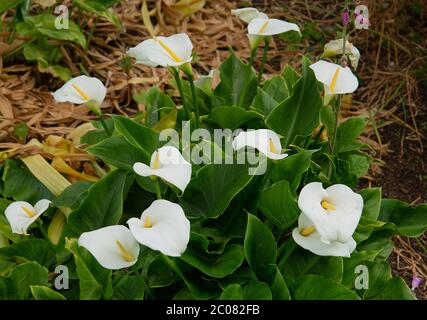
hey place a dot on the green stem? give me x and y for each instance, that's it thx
(104, 125)
(253, 55)
(264, 59)
(44, 234)
(175, 73)
(157, 187)
(334, 136)
(194, 97)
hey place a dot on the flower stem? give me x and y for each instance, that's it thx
(44, 234)
(175, 73)
(334, 136)
(104, 125)
(264, 58)
(194, 97)
(252, 57)
(157, 186)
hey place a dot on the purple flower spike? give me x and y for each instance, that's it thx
(416, 281)
(345, 18)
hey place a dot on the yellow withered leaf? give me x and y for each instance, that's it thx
(188, 7)
(44, 172)
(59, 164)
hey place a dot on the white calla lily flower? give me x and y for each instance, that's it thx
(172, 51)
(336, 79)
(21, 214)
(329, 215)
(264, 140)
(335, 47)
(262, 28)
(114, 247)
(270, 27)
(164, 227)
(307, 237)
(248, 14)
(167, 163)
(81, 90)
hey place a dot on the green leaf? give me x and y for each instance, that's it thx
(395, 289)
(232, 292)
(380, 242)
(291, 77)
(350, 264)
(193, 279)
(154, 100)
(347, 133)
(128, 287)
(314, 287)
(20, 184)
(359, 164)
(260, 250)
(42, 50)
(410, 222)
(238, 83)
(167, 122)
(263, 102)
(211, 190)
(295, 262)
(371, 209)
(146, 139)
(102, 206)
(278, 205)
(217, 265)
(379, 275)
(17, 284)
(44, 24)
(95, 136)
(99, 8)
(299, 114)
(292, 168)
(73, 195)
(29, 250)
(231, 117)
(9, 4)
(276, 87)
(125, 159)
(94, 280)
(156, 271)
(45, 293)
(327, 117)
(256, 290)
(279, 288)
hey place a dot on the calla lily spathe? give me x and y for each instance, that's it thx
(335, 47)
(167, 163)
(81, 90)
(328, 220)
(262, 28)
(172, 51)
(308, 238)
(113, 247)
(21, 214)
(248, 14)
(336, 79)
(270, 27)
(264, 140)
(163, 226)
